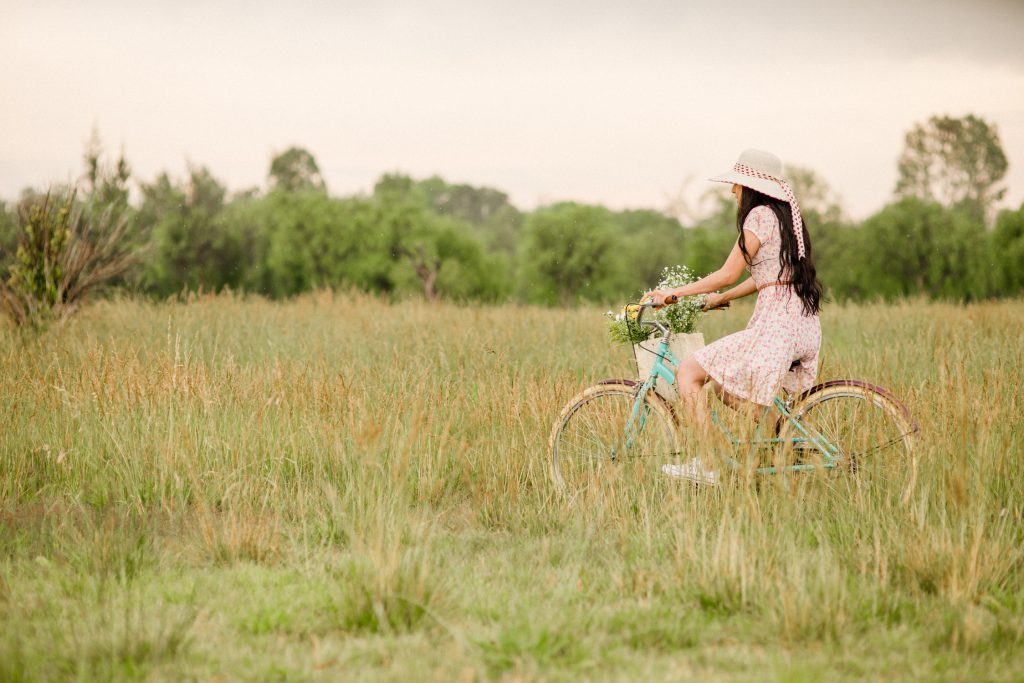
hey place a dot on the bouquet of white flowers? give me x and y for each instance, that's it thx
(680, 317)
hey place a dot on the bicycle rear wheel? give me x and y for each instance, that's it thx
(873, 431)
(590, 436)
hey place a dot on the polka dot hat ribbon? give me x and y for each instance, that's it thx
(798, 221)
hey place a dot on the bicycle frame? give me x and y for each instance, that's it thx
(664, 367)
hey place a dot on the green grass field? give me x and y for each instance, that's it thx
(336, 488)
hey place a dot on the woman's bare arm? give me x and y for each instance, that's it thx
(729, 273)
(745, 288)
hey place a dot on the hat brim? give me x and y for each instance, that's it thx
(768, 187)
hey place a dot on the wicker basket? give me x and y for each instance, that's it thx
(681, 345)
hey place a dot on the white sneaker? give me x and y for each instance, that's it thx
(691, 470)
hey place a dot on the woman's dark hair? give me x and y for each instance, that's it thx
(803, 277)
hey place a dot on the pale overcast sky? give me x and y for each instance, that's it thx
(598, 101)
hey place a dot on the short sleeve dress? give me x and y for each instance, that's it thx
(754, 363)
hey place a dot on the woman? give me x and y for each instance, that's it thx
(779, 346)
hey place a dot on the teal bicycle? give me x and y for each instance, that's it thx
(840, 426)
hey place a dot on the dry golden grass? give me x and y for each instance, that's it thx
(337, 487)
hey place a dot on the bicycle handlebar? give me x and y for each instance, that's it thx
(640, 307)
(673, 299)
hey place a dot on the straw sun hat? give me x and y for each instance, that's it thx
(762, 171)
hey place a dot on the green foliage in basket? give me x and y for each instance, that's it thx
(681, 317)
(621, 333)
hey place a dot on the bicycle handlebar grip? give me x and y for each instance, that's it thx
(671, 299)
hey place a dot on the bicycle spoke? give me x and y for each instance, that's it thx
(867, 429)
(600, 431)
(896, 440)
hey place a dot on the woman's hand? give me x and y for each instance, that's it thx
(657, 296)
(715, 300)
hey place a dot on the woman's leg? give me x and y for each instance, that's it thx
(693, 382)
(690, 380)
(735, 402)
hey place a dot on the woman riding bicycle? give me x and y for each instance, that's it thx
(779, 347)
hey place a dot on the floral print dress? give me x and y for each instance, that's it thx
(752, 364)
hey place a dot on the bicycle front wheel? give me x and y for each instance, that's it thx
(603, 428)
(872, 431)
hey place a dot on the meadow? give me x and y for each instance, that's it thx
(337, 487)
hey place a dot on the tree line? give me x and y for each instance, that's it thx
(939, 237)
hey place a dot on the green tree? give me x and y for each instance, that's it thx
(916, 247)
(440, 233)
(486, 209)
(570, 253)
(958, 162)
(295, 170)
(839, 258)
(651, 241)
(1007, 253)
(244, 229)
(446, 255)
(449, 260)
(316, 241)
(189, 248)
(386, 243)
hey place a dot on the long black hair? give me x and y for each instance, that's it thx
(803, 277)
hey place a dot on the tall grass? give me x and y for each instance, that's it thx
(337, 486)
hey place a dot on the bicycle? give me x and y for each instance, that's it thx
(829, 428)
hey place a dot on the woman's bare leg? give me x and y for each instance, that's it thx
(736, 403)
(693, 383)
(690, 380)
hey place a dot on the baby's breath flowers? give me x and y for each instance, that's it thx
(680, 317)
(623, 333)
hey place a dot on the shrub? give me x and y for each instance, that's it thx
(64, 252)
